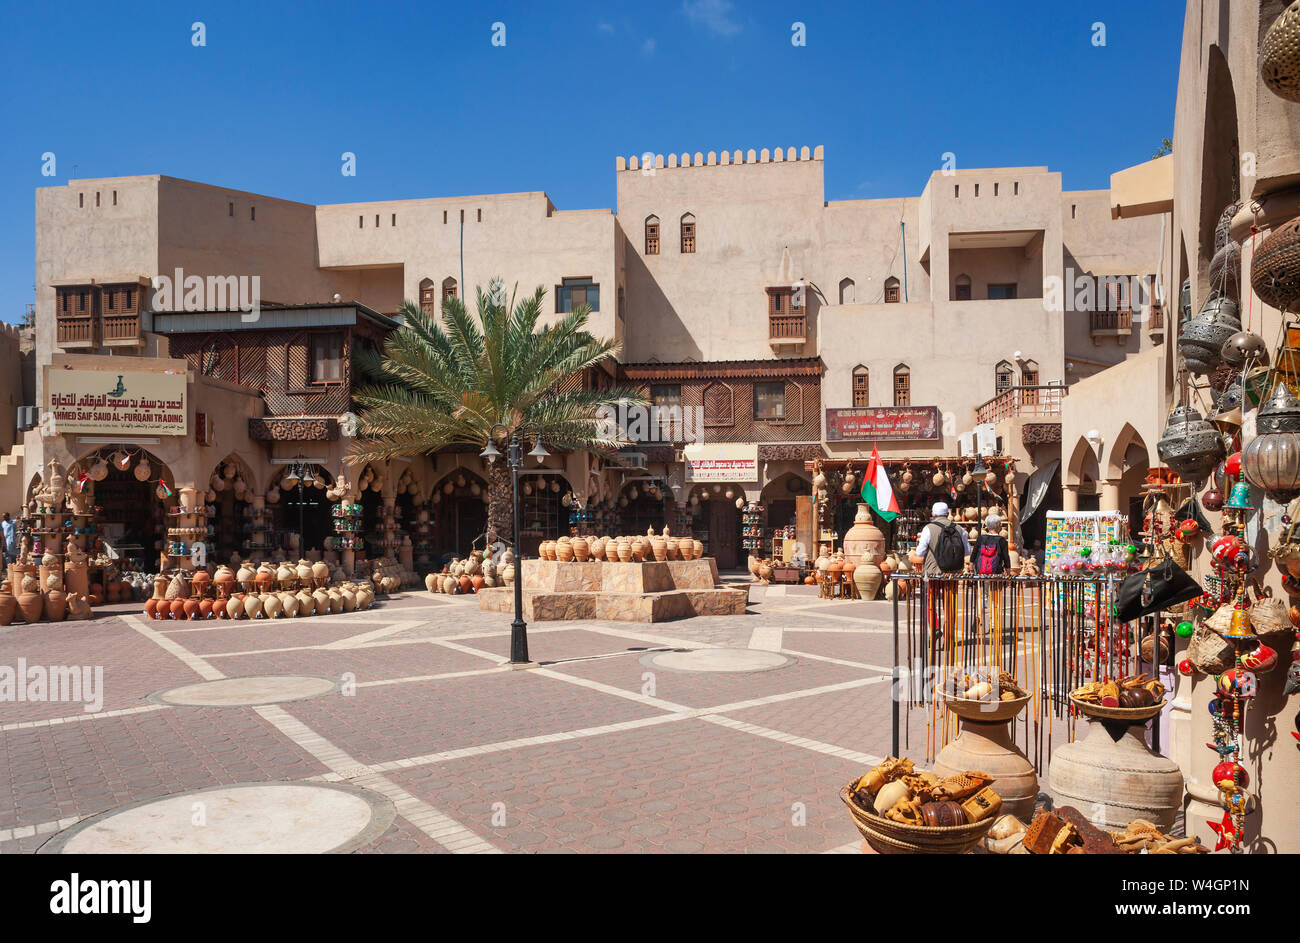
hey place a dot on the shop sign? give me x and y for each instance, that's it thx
(721, 462)
(97, 401)
(883, 423)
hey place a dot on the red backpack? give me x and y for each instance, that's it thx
(988, 561)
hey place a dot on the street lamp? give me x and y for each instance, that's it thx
(979, 471)
(515, 440)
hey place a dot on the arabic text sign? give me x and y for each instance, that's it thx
(729, 462)
(126, 402)
(882, 422)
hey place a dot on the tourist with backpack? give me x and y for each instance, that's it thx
(943, 546)
(991, 556)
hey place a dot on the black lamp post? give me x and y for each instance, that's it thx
(515, 441)
(979, 471)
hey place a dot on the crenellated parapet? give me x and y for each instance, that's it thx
(652, 161)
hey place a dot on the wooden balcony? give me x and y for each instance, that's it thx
(122, 330)
(1155, 319)
(76, 331)
(1117, 323)
(1022, 401)
(787, 329)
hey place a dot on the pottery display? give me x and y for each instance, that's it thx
(867, 577)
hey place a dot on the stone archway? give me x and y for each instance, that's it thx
(459, 513)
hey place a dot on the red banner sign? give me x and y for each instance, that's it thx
(882, 422)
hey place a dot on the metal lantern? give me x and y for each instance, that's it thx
(1271, 460)
(1225, 270)
(1191, 446)
(1202, 338)
(1227, 409)
(1245, 347)
(1275, 267)
(1279, 55)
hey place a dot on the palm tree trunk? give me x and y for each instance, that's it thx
(500, 506)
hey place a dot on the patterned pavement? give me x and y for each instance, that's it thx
(595, 750)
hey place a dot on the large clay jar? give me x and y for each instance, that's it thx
(8, 604)
(563, 550)
(624, 547)
(253, 607)
(764, 572)
(659, 547)
(349, 600)
(286, 575)
(234, 608)
(306, 603)
(30, 606)
(265, 578)
(597, 545)
(245, 577)
(190, 609)
(224, 580)
(177, 589)
(581, 549)
(335, 600)
(200, 582)
(177, 607)
(508, 574)
(321, 601)
(697, 549)
(151, 608)
(320, 572)
(863, 534)
(56, 605)
(289, 603)
(988, 747)
(867, 577)
(272, 607)
(640, 547)
(304, 574)
(1116, 777)
(205, 608)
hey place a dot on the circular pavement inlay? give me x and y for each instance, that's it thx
(718, 659)
(248, 818)
(246, 692)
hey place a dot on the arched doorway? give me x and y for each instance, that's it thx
(778, 498)
(459, 513)
(542, 513)
(231, 489)
(717, 522)
(302, 518)
(130, 519)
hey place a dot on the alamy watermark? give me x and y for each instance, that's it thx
(57, 683)
(1083, 292)
(633, 423)
(181, 292)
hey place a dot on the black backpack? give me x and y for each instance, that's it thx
(947, 548)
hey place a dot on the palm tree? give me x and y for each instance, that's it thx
(438, 385)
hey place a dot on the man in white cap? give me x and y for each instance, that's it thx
(942, 546)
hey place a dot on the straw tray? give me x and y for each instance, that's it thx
(896, 838)
(1131, 715)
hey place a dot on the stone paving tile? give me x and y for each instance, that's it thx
(47, 773)
(393, 722)
(710, 689)
(546, 647)
(367, 664)
(401, 838)
(683, 787)
(868, 648)
(133, 667)
(246, 636)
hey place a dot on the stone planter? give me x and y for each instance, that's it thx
(987, 745)
(1113, 777)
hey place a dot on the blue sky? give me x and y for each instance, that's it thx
(432, 108)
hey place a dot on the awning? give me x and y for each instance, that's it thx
(1036, 489)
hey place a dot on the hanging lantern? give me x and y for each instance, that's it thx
(1271, 460)
(1239, 498)
(1201, 339)
(1227, 409)
(1275, 267)
(1225, 270)
(1245, 348)
(704, 495)
(143, 470)
(1191, 446)
(1279, 55)
(290, 478)
(317, 482)
(731, 492)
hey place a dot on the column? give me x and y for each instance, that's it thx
(1070, 498)
(1110, 494)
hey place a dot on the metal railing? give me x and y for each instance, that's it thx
(1022, 401)
(787, 327)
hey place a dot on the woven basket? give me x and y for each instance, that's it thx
(1209, 653)
(895, 838)
(1275, 268)
(985, 712)
(1130, 715)
(1279, 55)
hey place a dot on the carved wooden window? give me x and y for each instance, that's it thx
(448, 288)
(962, 288)
(1029, 379)
(893, 293)
(1001, 378)
(861, 390)
(327, 358)
(719, 406)
(652, 235)
(902, 385)
(688, 234)
(769, 401)
(428, 297)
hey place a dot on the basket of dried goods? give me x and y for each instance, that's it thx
(988, 696)
(899, 810)
(1133, 700)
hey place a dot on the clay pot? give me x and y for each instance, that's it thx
(190, 609)
(151, 608)
(272, 607)
(477, 582)
(306, 603)
(659, 547)
(200, 581)
(640, 547)
(624, 548)
(176, 588)
(765, 572)
(56, 605)
(581, 549)
(864, 534)
(224, 580)
(78, 607)
(431, 582)
(867, 576)
(508, 574)
(1116, 776)
(697, 549)
(289, 603)
(320, 572)
(304, 573)
(335, 601)
(30, 606)
(563, 550)
(349, 600)
(321, 602)
(466, 585)
(219, 608)
(253, 607)
(597, 546)
(235, 607)
(177, 607)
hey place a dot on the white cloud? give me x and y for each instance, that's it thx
(713, 15)
(648, 47)
(605, 27)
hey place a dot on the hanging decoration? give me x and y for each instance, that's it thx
(1275, 267)
(1201, 339)
(1279, 55)
(1191, 446)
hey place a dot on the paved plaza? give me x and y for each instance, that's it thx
(401, 729)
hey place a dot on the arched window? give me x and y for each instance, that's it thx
(848, 291)
(1002, 378)
(428, 297)
(861, 388)
(962, 286)
(892, 294)
(1029, 380)
(652, 235)
(902, 385)
(448, 288)
(688, 233)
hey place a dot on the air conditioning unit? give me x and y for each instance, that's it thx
(28, 418)
(986, 439)
(966, 444)
(628, 458)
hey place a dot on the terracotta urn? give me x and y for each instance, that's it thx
(245, 577)
(235, 608)
(640, 549)
(304, 574)
(253, 606)
(563, 550)
(658, 548)
(320, 572)
(272, 607)
(150, 608)
(190, 609)
(672, 548)
(863, 534)
(597, 546)
(306, 603)
(321, 601)
(289, 603)
(286, 575)
(624, 550)
(30, 606)
(200, 582)
(219, 607)
(697, 549)
(1116, 776)
(868, 575)
(224, 580)
(177, 607)
(335, 600)
(56, 605)
(349, 599)
(765, 572)
(508, 574)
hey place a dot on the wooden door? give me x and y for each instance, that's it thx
(723, 518)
